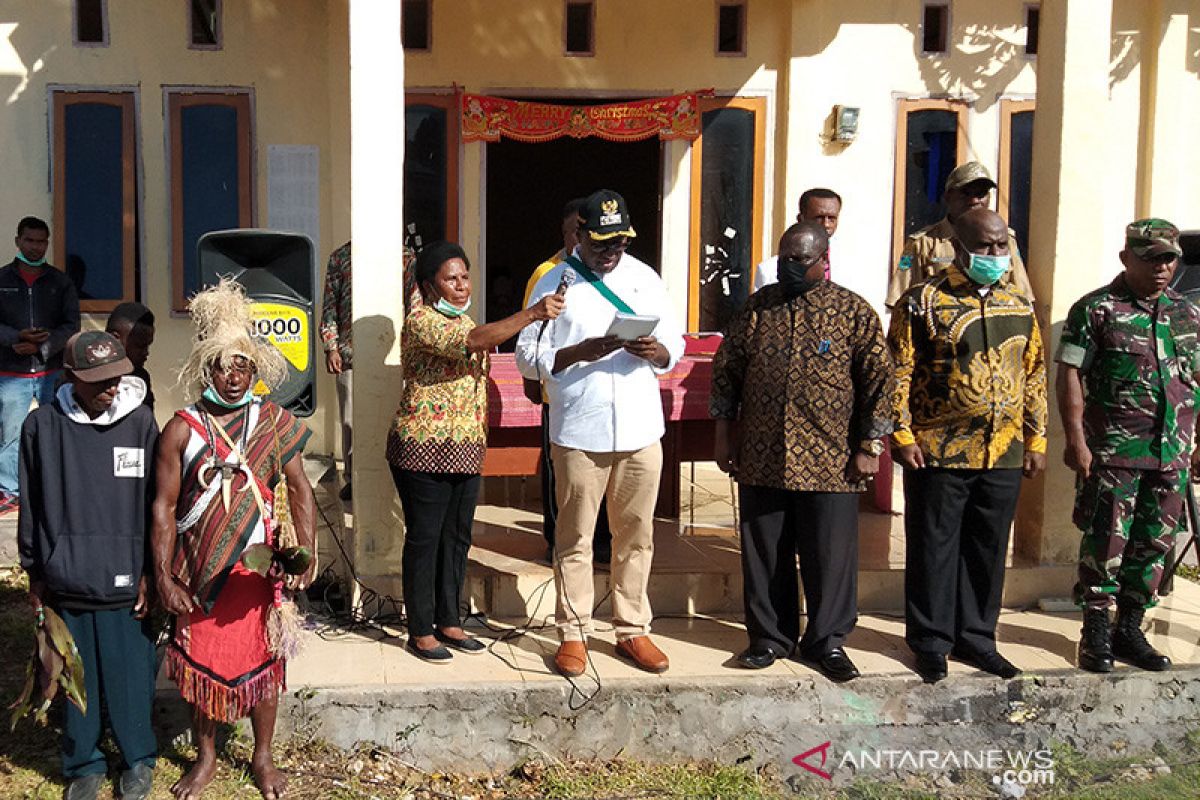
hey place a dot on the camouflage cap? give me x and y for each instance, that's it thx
(1152, 237)
(968, 173)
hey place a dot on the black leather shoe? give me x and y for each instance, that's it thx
(931, 667)
(467, 644)
(1095, 641)
(434, 655)
(757, 656)
(835, 665)
(1129, 642)
(991, 662)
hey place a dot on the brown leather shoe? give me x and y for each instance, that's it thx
(641, 651)
(571, 659)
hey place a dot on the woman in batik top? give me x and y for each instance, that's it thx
(437, 442)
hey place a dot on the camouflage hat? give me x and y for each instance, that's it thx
(1152, 237)
(966, 173)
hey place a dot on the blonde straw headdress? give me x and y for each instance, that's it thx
(224, 330)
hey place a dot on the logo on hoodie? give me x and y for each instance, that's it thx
(129, 462)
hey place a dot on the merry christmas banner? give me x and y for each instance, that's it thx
(486, 119)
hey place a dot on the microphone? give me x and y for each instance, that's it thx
(564, 283)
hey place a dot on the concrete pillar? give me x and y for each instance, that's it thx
(1067, 205)
(376, 202)
(1162, 186)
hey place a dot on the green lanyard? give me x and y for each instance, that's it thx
(595, 281)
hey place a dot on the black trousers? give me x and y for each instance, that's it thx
(602, 538)
(439, 508)
(956, 526)
(822, 527)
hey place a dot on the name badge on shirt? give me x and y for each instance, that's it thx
(129, 462)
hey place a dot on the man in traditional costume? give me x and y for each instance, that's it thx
(231, 486)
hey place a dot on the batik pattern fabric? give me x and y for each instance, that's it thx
(1129, 519)
(441, 425)
(1139, 361)
(808, 379)
(219, 655)
(336, 316)
(970, 374)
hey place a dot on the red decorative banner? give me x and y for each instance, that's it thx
(486, 119)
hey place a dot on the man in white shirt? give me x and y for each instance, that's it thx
(822, 206)
(606, 421)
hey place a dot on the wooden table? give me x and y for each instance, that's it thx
(515, 434)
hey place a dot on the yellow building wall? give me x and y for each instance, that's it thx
(277, 48)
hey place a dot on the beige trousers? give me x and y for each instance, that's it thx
(630, 481)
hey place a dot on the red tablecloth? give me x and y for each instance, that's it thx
(684, 392)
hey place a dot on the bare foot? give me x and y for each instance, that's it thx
(270, 781)
(453, 633)
(192, 785)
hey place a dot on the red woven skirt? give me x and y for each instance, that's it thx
(220, 660)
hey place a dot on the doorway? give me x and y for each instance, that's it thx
(527, 187)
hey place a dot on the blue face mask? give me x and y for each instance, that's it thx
(450, 310)
(210, 394)
(986, 270)
(40, 262)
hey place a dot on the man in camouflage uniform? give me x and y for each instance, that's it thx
(929, 251)
(1127, 379)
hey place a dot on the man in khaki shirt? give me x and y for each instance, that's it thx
(929, 251)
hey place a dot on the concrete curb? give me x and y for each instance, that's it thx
(484, 727)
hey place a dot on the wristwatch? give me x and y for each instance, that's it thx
(872, 447)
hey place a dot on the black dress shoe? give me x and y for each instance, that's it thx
(467, 644)
(991, 662)
(434, 655)
(931, 667)
(835, 665)
(757, 656)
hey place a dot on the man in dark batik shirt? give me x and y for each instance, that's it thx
(805, 374)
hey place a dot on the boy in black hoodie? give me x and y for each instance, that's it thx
(87, 487)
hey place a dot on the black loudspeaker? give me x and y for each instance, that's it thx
(279, 274)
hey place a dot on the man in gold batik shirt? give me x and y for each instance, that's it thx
(970, 419)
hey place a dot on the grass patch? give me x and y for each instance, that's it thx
(29, 764)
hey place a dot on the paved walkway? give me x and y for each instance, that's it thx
(1036, 641)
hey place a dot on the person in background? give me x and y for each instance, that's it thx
(437, 442)
(39, 312)
(930, 251)
(823, 206)
(336, 328)
(602, 540)
(132, 324)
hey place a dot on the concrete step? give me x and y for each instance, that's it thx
(490, 711)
